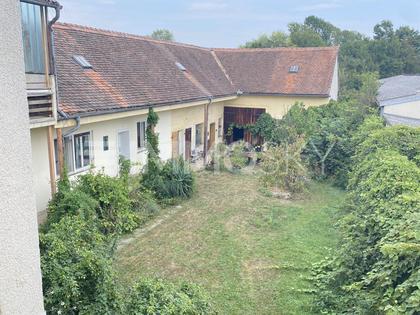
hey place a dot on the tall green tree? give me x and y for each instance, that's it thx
(276, 39)
(328, 32)
(163, 34)
(303, 35)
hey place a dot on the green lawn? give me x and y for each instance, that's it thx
(251, 252)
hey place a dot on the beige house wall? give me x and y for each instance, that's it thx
(276, 106)
(41, 171)
(189, 117)
(173, 119)
(101, 159)
(20, 272)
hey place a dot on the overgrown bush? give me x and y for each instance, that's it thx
(238, 155)
(283, 167)
(218, 158)
(143, 203)
(376, 270)
(405, 140)
(76, 269)
(149, 297)
(114, 205)
(84, 222)
(177, 180)
(328, 131)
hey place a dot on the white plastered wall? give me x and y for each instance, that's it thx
(41, 171)
(20, 272)
(334, 83)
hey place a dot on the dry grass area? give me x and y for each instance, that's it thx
(250, 251)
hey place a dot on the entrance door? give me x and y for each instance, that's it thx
(124, 144)
(212, 134)
(188, 144)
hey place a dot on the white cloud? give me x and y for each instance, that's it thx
(318, 6)
(208, 6)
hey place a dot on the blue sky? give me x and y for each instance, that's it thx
(229, 23)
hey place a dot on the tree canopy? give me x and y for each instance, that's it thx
(391, 51)
(162, 34)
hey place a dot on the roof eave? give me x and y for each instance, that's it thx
(287, 94)
(143, 106)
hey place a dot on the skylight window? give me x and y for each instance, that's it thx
(82, 62)
(294, 69)
(180, 66)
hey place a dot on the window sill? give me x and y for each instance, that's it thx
(80, 170)
(141, 150)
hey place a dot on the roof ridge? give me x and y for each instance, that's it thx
(277, 49)
(219, 63)
(90, 29)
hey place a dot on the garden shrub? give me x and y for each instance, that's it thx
(143, 203)
(76, 269)
(402, 138)
(71, 202)
(124, 168)
(238, 155)
(178, 180)
(376, 269)
(283, 167)
(330, 145)
(154, 296)
(217, 158)
(114, 205)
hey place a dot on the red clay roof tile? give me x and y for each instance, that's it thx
(131, 71)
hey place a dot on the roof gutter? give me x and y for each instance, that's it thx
(143, 106)
(74, 129)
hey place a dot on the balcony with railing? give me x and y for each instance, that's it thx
(38, 62)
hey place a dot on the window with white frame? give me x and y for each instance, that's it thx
(141, 134)
(81, 150)
(77, 152)
(198, 135)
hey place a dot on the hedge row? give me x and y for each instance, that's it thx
(376, 270)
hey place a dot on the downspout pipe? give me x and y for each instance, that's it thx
(206, 129)
(74, 129)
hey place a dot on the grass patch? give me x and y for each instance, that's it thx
(250, 251)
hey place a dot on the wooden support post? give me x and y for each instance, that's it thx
(206, 130)
(60, 151)
(51, 160)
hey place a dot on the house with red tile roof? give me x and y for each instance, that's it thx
(107, 81)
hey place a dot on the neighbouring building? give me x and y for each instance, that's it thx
(399, 100)
(107, 81)
(20, 272)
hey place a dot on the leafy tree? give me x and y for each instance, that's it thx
(303, 35)
(383, 30)
(390, 52)
(328, 32)
(162, 34)
(276, 39)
